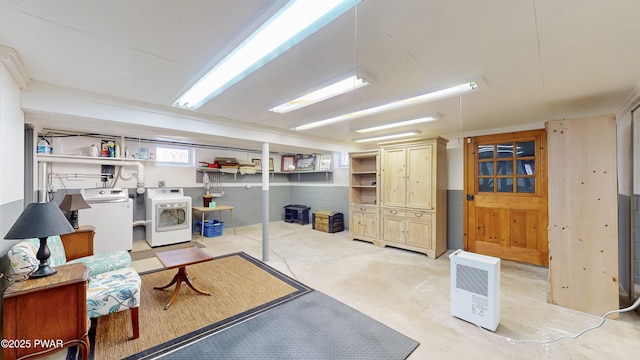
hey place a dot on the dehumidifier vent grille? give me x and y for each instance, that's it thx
(472, 279)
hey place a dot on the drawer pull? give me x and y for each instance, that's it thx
(394, 212)
(418, 214)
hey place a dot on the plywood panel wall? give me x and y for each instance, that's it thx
(583, 214)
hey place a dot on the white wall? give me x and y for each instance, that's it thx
(11, 139)
(11, 149)
(455, 165)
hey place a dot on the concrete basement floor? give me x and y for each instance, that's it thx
(410, 293)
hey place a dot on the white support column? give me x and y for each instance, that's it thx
(265, 202)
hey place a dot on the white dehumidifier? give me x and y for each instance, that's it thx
(475, 288)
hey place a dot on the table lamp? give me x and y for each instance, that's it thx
(40, 220)
(73, 203)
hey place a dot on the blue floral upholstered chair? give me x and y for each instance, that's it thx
(113, 284)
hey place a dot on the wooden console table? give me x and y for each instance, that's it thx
(47, 314)
(204, 209)
(79, 243)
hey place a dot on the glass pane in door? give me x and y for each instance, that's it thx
(485, 168)
(505, 150)
(485, 184)
(505, 167)
(526, 185)
(505, 184)
(526, 167)
(485, 151)
(526, 148)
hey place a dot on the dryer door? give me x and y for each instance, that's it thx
(172, 216)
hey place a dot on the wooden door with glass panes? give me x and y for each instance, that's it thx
(505, 196)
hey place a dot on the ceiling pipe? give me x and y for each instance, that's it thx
(140, 175)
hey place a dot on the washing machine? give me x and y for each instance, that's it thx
(111, 213)
(168, 216)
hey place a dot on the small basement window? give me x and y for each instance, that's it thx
(174, 156)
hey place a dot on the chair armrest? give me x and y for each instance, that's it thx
(102, 263)
(79, 243)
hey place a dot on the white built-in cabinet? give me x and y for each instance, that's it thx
(410, 179)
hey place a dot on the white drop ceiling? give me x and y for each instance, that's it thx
(536, 60)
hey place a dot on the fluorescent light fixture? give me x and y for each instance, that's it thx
(397, 124)
(345, 85)
(387, 137)
(293, 23)
(430, 96)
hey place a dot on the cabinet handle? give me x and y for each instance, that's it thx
(394, 212)
(418, 214)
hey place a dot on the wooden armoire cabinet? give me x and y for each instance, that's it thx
(364, 207)
(413, 178)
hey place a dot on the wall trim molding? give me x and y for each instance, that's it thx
(11, 60)
(631, 102)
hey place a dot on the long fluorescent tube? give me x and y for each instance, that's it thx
(397, 124)
(349, 84)
(293, 23)
(434, 95)
(387, 137)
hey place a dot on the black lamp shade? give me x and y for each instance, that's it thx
(40, 220)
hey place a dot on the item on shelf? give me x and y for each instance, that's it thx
(257, 163)
(108, 148)
(288, 163)
(44, 147)
(205, 164)
(323, 162)
(248, 168)
(225, 162)
(93, 151)
(143, 153)
(305, 162)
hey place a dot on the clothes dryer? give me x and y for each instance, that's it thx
(168, 216)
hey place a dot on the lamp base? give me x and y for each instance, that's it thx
(42, 271)
(73, 218)
(43, 255)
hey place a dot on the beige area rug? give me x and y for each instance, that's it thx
(149, 253)
(240, 286)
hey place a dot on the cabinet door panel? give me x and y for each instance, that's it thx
(419, 234)
(394, 177)
(356, 226)
(393, 229)
(419, 176)
(371, 225)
